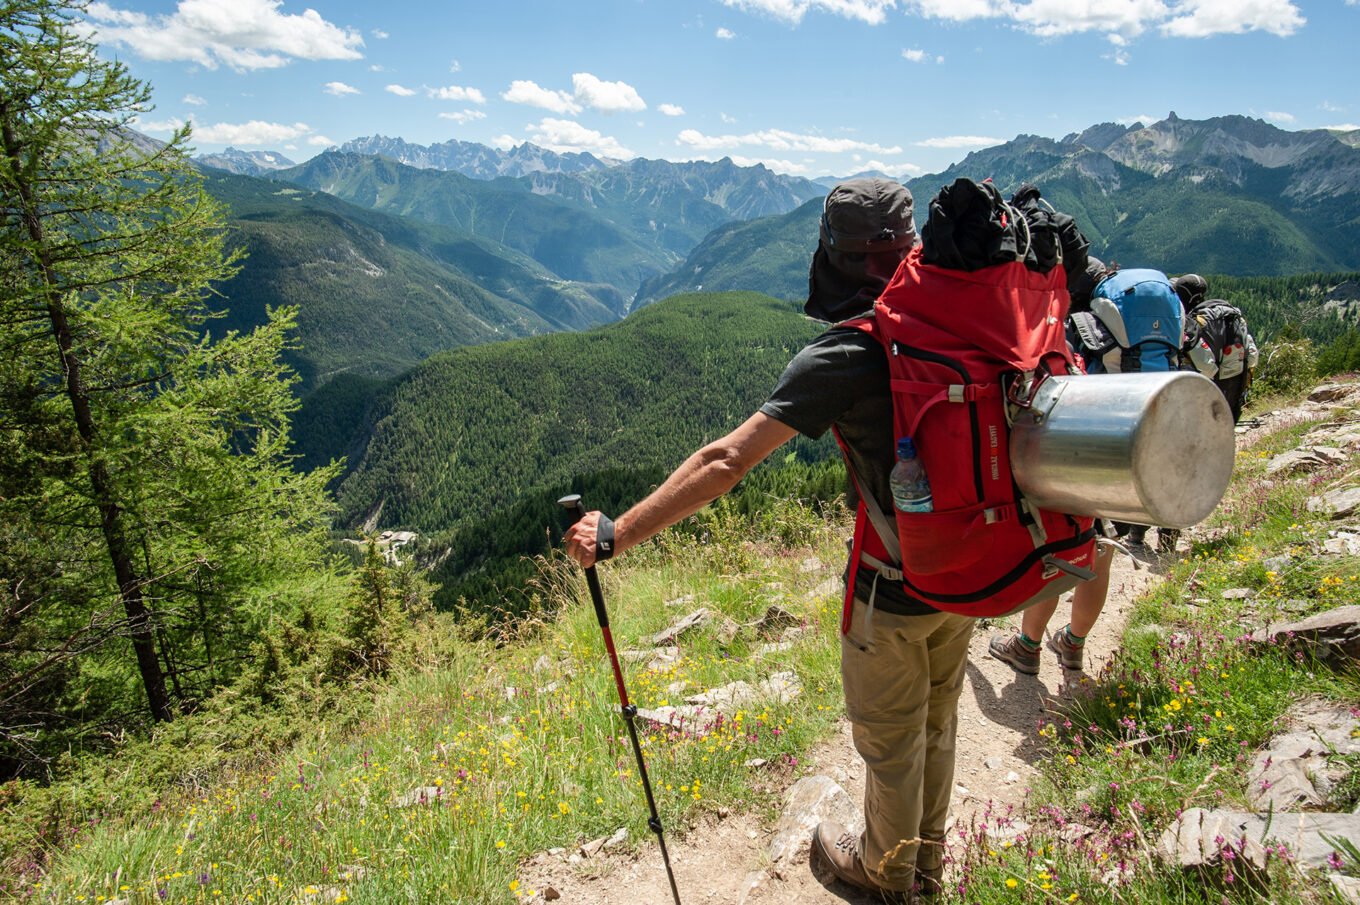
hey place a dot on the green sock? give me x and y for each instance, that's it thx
(1032, 645)
(1075, 639)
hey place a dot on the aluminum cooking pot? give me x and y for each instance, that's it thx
(1153, 449)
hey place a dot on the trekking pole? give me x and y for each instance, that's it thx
(573, 505)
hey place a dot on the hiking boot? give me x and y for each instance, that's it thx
(838, 850)
(1069, 652)
(1015, 653)
(929, 882)
(1138, 535)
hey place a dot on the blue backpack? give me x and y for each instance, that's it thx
(1134, 324)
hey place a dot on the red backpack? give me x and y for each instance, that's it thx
(966, 349)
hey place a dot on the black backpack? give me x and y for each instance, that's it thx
(1218, 345)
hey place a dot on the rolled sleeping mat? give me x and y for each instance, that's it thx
(1152, 449)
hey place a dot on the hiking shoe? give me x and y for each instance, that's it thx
(929, 882)
(1069, 652)
(838, 850)
(1015, 653)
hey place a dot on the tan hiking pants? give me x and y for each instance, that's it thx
(902, 681)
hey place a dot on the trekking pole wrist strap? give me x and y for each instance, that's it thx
(604, 538)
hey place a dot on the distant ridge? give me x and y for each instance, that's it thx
(245, 163)
(476, 160)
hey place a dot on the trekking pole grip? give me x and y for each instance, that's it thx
(573, 506)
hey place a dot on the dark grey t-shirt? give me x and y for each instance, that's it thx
(841, 379)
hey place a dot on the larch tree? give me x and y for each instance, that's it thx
(146, 491)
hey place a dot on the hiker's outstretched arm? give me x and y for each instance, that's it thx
(704, 476)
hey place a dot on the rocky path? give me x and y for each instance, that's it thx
(727, 860)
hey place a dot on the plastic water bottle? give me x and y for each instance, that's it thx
(910, 487)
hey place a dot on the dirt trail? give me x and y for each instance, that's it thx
(724, 861)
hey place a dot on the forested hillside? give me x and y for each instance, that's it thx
(486, 438)
(377, 294)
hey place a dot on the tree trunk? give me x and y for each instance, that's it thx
(119, 547)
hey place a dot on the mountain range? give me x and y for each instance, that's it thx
(1230, 195)
(391, 262)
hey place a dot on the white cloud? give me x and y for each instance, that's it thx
(671, 109)
(463, 117)
(1128, 18)
(607, 97)
(400, 90)
(566, 136)
(376, 67)
(894, 169)
(523, 91)
(874, 12)
(1278, 117)
(1143, 118)
(457, 93)
(455, 66)
(1343, 127)
(254, 133)
(1328, 106)
(920, 56)
(503, 142)
(781, 140)
(319, 141)
(724, 34)
(1201, 18)
(380, 34)
(193, 100)
(340, 89)
(158, 126)
(243, 34)
(960, 141)
(727, 119)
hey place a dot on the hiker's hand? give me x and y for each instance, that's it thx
(582, 538)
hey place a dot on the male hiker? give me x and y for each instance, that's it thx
(902, 669)
(1217, 343)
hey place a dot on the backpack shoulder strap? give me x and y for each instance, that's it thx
(1092, 332)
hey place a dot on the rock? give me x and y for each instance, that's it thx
(779, 688)
(811, 800)
(1304, 459)
(1331, 392)
(1341, 502)
(1281, 784)
(1012, 778)
(669, 635)
(832, 587)
(423, 795)
(1346, 888)
(1342, 543)
(750, 884)
(658, 658)
(1277, 564)
(1332, 636)
(777, 648)
(695, 720)
(1005, 829)
(550, 894)
(1238, 594)
(993, 763)
(594, 846)
(1190, 841)
(811, 564)
(1197, 839)
(728, 630)
(755, 762)
(686, 600)
(776, 619)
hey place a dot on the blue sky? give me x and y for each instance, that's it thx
(809, 87)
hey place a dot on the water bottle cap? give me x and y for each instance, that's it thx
(905, 448)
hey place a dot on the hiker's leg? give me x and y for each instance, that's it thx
(1034, 621)
(947, 648)
(1089, 597)
(887, 700)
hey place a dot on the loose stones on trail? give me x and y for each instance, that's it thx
(1332, 636)
(811, 800)
(1341, 502)
(1305, 459)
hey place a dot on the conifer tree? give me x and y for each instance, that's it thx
(144, 465)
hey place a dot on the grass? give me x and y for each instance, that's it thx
(463, 768)
(1175, 719)
(492, 750)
